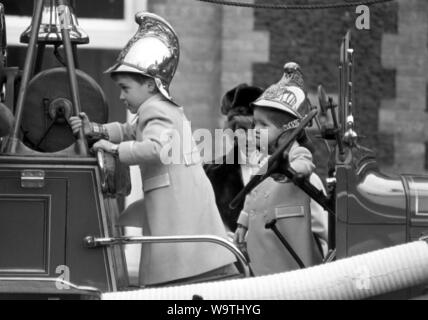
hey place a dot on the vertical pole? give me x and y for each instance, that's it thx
(28, 70)
(66, 24)
(332, 231)
(39, 60)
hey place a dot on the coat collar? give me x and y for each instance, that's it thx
(154, 98)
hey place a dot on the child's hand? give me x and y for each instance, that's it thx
(106, 146)
(239, 236)
(82, 121)
(239, 240)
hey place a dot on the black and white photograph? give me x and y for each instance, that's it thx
(227, 153)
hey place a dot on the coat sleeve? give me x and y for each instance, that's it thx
(244, 219)
(119, 132)
(301, 160)
(155, 124)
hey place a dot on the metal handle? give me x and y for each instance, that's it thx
(103, 170)
(93, 242)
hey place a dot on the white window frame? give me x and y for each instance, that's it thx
(103, 33)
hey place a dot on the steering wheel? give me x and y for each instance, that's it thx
(273, 160)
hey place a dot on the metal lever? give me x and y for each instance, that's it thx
(272, 225)
(65, 22)
(93, 242)
(28, 68)
(336, 126)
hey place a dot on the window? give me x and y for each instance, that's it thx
(109, 23)
(94, 9)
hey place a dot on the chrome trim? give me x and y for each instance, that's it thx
(32, 179)
(103, 170)
(93, 242)
(52, 280)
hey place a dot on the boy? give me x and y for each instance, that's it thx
(278, 111)
(178, 198)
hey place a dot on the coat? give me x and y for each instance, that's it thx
(226, 179)
(178, 197)
(290, 206)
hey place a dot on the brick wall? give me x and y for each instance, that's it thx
(218, 48)
(312, 39)
(405, 115)
(222, 46)
(197, 83)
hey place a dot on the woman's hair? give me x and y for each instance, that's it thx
(239, 119)
(239, 122)
(235, 105)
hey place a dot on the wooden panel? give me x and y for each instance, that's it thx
(25, 234)
(72, 199)
(32, 226)
(87, 216)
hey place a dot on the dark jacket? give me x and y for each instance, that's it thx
(226, 180)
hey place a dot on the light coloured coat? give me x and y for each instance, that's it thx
(178, 197)
(291, 208)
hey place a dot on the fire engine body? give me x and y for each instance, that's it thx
(58, 202)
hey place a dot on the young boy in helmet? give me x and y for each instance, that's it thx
(178, 197)
(298, 219)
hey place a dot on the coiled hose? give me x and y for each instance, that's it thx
(358, 277)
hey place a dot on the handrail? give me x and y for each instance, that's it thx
(93, 242)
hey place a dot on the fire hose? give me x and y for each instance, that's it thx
(359, 277)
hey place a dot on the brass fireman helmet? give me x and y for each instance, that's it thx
(153, 51)
(288, 94)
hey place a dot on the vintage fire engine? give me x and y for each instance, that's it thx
(58, 204)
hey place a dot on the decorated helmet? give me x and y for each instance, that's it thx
(153, 51)
(288, 94)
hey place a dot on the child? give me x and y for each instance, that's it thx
(178, 198)
(278, 111)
